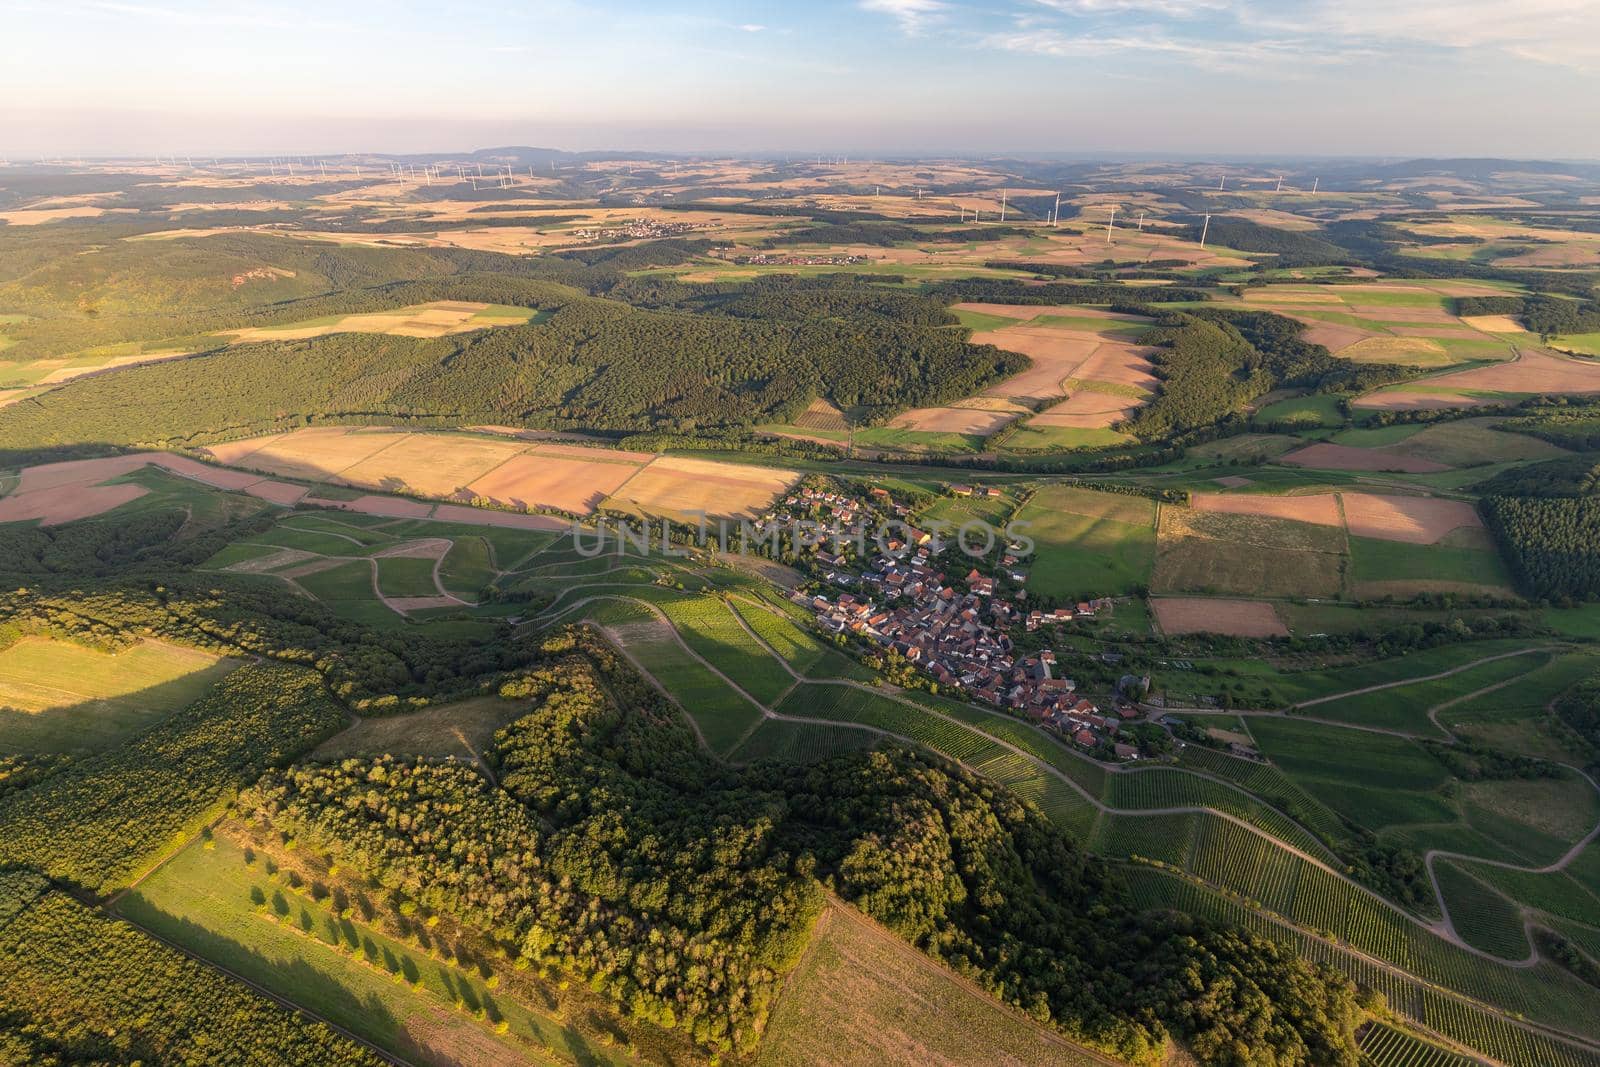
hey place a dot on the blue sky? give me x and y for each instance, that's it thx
(1186, 77)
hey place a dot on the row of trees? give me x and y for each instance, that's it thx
(80, 987)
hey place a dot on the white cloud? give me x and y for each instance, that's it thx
(1164, 8)
(752, 27)
(913, 15)
(1562, 32)
(1275, 56)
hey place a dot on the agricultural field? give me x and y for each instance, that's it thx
(56, 696)
(1089, 542)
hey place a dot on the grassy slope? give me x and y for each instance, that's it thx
(861, 996)
(57, 697)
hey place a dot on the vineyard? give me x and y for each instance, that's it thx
(1484, 919)
(720, 713)
(707, 626)
(1457, 1019)
(1384, 1046)
(799, 742)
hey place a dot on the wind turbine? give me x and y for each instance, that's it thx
(1205, 230)
(1141, 222)
(1111, 223)
(1279, 189)
(1055, 215)
(1002, 205)
(1314, 182)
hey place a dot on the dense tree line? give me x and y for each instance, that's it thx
(1572, 476)
(593, 364)
(95, 823)
(1552, 544)
(1293, 248)
(681, 889)
(79, 987)
(1213, 361)
(1548, 316)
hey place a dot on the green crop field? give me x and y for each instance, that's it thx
(1089, 543)
(1393, 568)
(467, 568)
(1374, 779)
(56, 696)
(215, 902)
(1384, 1046)
(402, 576)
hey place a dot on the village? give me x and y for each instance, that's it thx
(638, 229)
(770, 259)
(889, 590)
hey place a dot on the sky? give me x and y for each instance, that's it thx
(1188, 78)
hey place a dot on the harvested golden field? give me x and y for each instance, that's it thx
(1494, 323)
(1413, 519)
(428, 465)
(1416, 351)
(861, 997)
(434, 319)
(821, 415)
(1212, 615)
(972, 420)
(510, 471)
(678, 485)
(575, 484)
(1088, 410)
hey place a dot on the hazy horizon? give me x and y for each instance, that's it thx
(1207, 79)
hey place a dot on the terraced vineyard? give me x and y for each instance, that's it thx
(1384, 1046)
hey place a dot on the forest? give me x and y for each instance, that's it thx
(1552, 544)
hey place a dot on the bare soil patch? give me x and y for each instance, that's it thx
(1321, 508)
(485, 517)
(1324, 456)
(1335, 337)
(1237, 618)
(394, 507)
(1412, 519)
